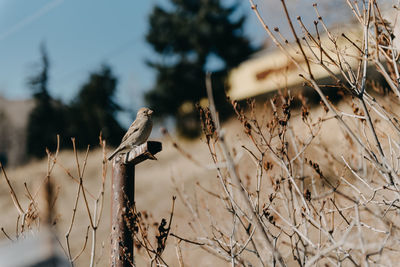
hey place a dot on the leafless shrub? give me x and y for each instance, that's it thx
(39, 212)
(306, 200)
(308, 186)
(150, 237)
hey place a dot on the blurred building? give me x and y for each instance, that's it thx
(271, 69)
(40, 249)
(14, 116)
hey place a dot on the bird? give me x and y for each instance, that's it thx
(137, 133)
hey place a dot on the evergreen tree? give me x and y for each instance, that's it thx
(94, 110)
(186, 35)
(47, 118)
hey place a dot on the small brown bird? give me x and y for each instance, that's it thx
(137, 133)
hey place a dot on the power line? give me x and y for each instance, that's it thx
(31, 18)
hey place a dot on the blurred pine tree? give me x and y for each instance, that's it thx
(186, 35)
(94, 110)
(47, 119)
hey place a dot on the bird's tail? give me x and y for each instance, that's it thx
(114, 153)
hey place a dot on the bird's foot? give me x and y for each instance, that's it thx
(151, 156)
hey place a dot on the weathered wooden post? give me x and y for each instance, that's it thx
(123, 199)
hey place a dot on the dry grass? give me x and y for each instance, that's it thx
(194, 177)
(276, 186)
(154, 190)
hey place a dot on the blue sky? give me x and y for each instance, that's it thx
(82, 34)
(79, 35)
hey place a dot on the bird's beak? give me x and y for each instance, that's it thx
(150, 112)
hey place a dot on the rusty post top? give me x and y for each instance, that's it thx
(140, 153)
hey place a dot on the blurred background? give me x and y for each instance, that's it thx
(82, 68)
(78, 68)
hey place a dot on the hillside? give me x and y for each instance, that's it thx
(13, 121)
(200, 193)
(154, 191)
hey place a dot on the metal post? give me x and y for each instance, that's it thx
(123, 195)
(123, 199)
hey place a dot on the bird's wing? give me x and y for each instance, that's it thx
(132, 129)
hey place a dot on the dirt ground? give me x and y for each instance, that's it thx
(154, 189)
(154, 192)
